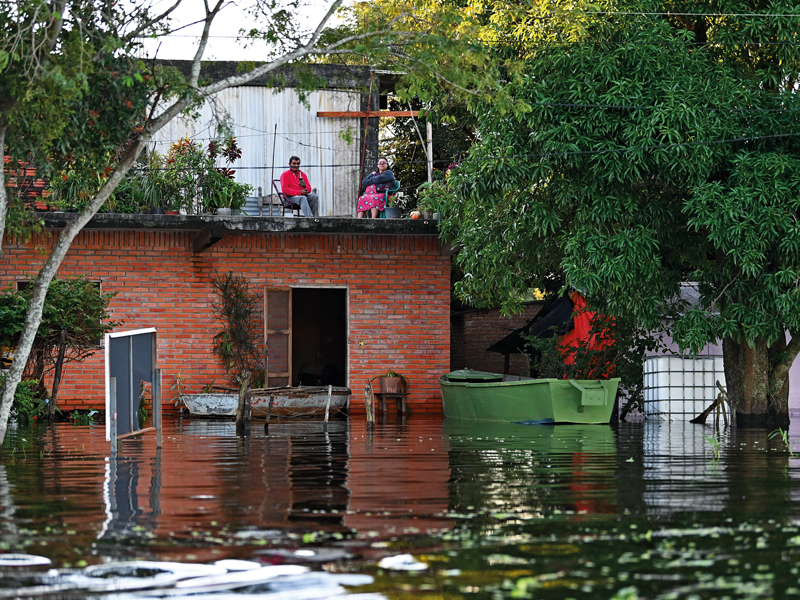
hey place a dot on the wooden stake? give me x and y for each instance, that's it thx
(701, 419)
(328, 403)
(241, 410)
(369, 405)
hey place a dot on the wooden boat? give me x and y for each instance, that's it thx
(483, 396)
(287, 402)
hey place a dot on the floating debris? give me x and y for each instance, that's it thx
(23, 560)
(402, 562)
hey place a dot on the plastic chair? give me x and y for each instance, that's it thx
(292, 207)
(395, 187)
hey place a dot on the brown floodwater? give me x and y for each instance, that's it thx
(422, 508)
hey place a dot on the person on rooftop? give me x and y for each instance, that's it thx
(375, 184)
(297, 189)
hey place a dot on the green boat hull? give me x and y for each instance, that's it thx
(527, 400)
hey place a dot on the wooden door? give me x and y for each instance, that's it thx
(278, 337)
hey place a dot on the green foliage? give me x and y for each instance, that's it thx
(57, 102)
(453, 135)
(236, 307)
(616, 347)
(27, 406)
(75, 306)
(77, 417)
(187, 179)
(434, 196)
(642, 152)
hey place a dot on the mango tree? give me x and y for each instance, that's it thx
(652, 146)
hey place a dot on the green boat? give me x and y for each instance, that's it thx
(483, 396)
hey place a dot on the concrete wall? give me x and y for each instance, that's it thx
(398, 293)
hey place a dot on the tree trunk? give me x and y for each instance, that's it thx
(53, 404)
(757, 385)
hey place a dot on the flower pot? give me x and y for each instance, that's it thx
(223, 212)
(391, 385)
(158, 210)
(392, 212)
(171, 212)
(426, 214)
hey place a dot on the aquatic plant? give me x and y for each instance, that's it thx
(715, 446)
(784, 435)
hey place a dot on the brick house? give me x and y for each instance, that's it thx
(363, 295)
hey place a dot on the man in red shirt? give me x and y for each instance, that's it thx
(297, 189)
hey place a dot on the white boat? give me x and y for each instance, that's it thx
(286, 402)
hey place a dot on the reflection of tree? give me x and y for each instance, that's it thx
(8, 526)
(757, 470)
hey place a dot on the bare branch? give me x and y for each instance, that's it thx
(151, 22)
(201, 47)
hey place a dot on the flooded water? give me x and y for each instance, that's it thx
(427, 508)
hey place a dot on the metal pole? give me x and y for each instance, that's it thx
(112, 407)
(272, 173)
(429, 131)
(157, 406)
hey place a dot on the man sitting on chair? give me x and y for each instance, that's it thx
(295, 186)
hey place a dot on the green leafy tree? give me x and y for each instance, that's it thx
(647, 150)
(404, 140)
(236, 308)
(74, 319)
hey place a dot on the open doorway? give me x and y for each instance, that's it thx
(319, 336)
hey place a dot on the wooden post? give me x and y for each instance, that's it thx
(328, 403)
(244, 387)
(369, 405)
(112, 388)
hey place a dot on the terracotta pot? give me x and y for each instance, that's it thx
(391, 385)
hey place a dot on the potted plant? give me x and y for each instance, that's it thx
(431, 198)
(393, 383)
(223, 195)
(392, 211)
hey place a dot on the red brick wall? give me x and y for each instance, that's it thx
(473, 331)
(398, 298)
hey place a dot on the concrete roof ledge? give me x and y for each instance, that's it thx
(246, 224)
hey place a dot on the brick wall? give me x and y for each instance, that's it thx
(398, 297)
(473, 331)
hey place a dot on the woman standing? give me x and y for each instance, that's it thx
(376, 184)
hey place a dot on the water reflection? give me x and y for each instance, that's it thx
(481, 504)
(124, 514)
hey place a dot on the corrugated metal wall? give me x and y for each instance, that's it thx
(331, 162)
